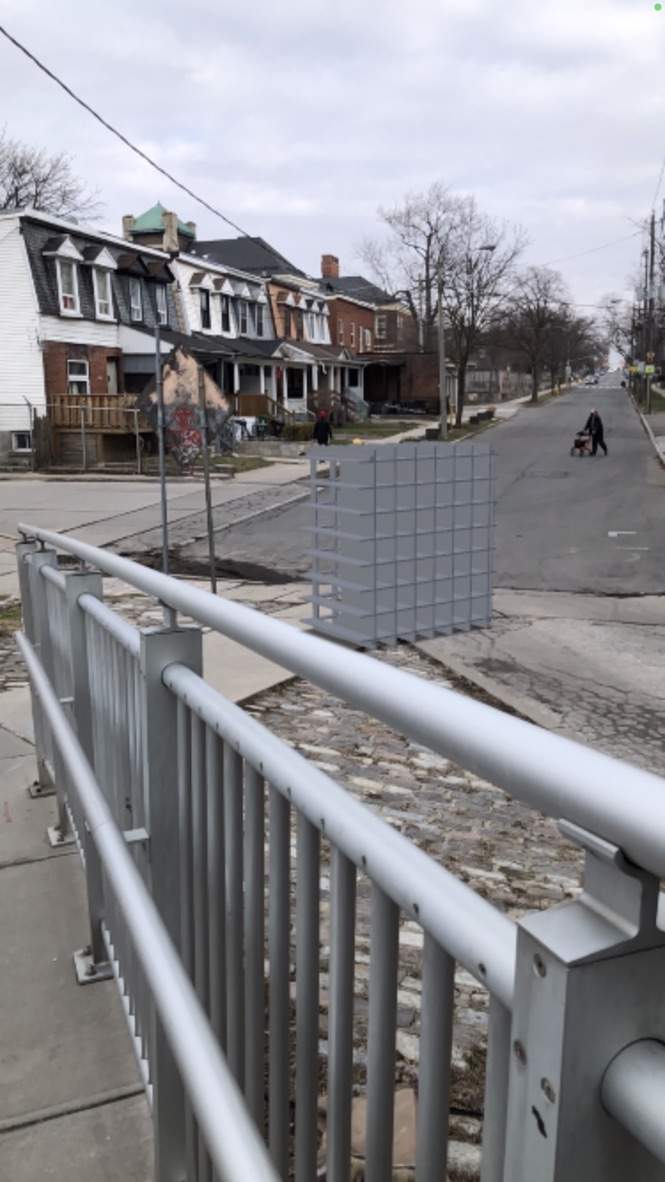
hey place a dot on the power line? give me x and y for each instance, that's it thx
(593, 249)
(123, 138)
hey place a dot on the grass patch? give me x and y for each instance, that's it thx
(379, 429)
(237, 463)
(10, 617)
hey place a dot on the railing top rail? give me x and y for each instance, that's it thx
(234, 1144)
(55, 576)
(472, 930)
(616, 800)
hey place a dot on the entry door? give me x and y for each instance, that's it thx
(111, 375)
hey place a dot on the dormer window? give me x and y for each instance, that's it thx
(204, 297)
(135, 299)
(101, 281)
(243, 316)
(68, 287)
(160, 301)
(259, 320)
(226, 314)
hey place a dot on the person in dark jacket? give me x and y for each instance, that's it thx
(322, 430)
(594, 425)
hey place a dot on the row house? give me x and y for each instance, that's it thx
(76, 306)
(311, 368)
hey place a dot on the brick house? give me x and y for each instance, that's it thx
(77, 307)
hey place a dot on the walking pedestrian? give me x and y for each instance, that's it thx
(594, 425)
(322, 432)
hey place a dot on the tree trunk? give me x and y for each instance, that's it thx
(461, 389)
(535, 382)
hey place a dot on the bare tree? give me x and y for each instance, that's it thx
(617, 320)
(30, 177)
(537, 305)
(406, 261)
(477, 267)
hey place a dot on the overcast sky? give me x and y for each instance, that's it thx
(298, 119)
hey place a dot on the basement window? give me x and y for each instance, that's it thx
(21, 440)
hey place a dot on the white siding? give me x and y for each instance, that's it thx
(21, 367)
(75, 331)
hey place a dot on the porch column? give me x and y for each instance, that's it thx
(273, 382)
(262, 380)
(361, 381)
(236, 377)
(285, 389)
(305, 384)
(315, 378)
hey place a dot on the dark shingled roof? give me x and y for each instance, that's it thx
(39, 238)
(246, 254)
(358, 288)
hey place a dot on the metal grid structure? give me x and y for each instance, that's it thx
(403, 541)
(204, 839)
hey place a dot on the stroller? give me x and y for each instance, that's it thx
(582, 444)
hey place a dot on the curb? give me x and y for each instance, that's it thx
(660, 455)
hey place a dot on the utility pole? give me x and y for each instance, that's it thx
(162, 450)
(443, 399)
(650, 351)
(206, 479)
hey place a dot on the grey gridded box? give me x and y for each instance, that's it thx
(403, 540)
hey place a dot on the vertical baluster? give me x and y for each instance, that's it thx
(436, 1037)
(340, 1033)
(278, 952)
(234, 912)
(216, 886)
(381, 1037)
(307, 998)
(496, 1092)
(254, 944)
(199, 896)
(186, 900)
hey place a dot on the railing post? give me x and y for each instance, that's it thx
(588, 983)
(92, 962)
(24, 550)
(161, 647)
(34, 593)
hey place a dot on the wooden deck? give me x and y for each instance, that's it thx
(115, 414)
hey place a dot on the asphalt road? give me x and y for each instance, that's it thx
(564, 523)
(570, 523)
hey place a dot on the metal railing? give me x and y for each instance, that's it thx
(255, 868)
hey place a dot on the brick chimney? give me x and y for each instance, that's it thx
(128, 226)
(170, 242)
(329, 266)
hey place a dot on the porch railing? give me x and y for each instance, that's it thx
(206, 837)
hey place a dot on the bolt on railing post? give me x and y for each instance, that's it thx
(587, 984)
(161, 647)
(77, 583)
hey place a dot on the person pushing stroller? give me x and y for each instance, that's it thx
(594, 427)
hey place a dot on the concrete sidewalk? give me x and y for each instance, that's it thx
(72, 1108)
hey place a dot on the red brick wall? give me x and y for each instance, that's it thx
(346, 313)
(57, 354)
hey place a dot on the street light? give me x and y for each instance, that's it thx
(489, 248)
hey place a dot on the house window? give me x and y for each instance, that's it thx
(68, 287)
(352, 335)
(204, 297)
(242, 313)
(352, 377)
(259, 320)
(101, 281)
(135, 299)
(340, 332)
(226, 314)
(381, 328)
(160, 301)
(78, 376)
(367, 345)
(21, 440)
